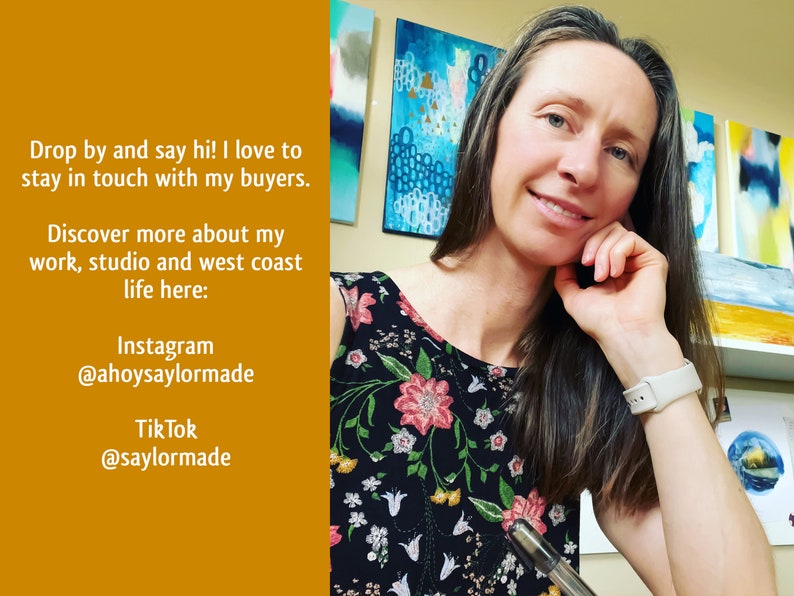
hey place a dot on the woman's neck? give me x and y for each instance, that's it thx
(480, 302)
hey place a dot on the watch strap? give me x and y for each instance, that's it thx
(653, 393)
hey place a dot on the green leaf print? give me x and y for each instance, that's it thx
(339, 351)
(506, 493)
(395, 367)
(370, 408)
(423, 366)
(422, 471)
(489, 511)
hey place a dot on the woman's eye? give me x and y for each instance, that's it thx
(556, 120)
(619, 153)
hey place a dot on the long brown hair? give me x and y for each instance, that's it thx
(572, 425)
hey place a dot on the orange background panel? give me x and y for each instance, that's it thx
(164, 73)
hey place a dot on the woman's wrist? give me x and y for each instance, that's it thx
(637, 355)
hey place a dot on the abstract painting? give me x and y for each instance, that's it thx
(351, 44)
(752, 301)
(435, 77)
(699, 146)
(761, 178)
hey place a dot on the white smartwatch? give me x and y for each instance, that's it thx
(652, 394)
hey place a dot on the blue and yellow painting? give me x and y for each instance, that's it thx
(761, 174)
(435, 77)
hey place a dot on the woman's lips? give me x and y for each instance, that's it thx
(560, 208)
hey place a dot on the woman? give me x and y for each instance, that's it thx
(567, 274)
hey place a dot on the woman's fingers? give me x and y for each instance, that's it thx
(613, 250)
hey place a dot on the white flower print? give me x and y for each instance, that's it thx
(403, 441)
(377, 537)
(351, 277)
(557, 514)
(357, 519)
(476, 384)
(382, 290)
(509, 562)
(462, 525)
(569, 548)
(394, 502)
(352, 500)
(516, 466)
(372, 556)
(448, 567)
(497, 371)
(412, 548)
(498, 441)
(483, 418)
(370, 483)
(512, 588)
(401, 587)
(355, 358)
(332, 478)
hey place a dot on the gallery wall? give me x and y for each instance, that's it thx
(731, 60)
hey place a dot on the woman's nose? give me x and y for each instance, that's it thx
(580, 162)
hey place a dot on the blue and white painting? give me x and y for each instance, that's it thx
(698, 130)
(435, 77)
(351, 44)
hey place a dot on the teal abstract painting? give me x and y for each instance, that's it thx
(351, 45)
(698, 130)
(435, 77)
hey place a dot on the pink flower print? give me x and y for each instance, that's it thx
(498, 441)
(355, 358)
(516, 466)
(403, 441)
(357, 307)
(483, 417)
(336, 537)
(424, 403)
(530, 509)
(406, 307)
(497, 371)
(557, 514)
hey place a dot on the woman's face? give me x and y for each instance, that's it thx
(570, 149)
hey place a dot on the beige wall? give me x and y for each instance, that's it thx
(732, 59)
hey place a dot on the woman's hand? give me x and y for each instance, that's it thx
(624, 310)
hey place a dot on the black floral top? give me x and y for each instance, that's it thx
(423, 481)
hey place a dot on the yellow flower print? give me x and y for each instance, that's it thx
(553, 591)
(347, 465)
(335, 458)
(440, 497)
(453, 498)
